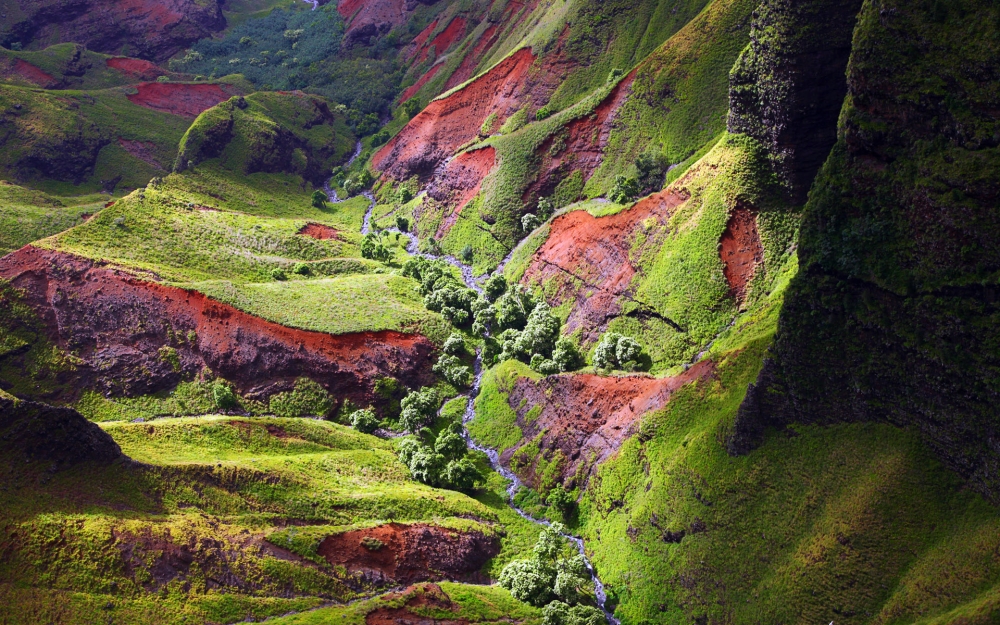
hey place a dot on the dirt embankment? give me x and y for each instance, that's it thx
(372, 18)
(447, 124)
(319, 231)
(585, 418)
(578, 146)
(587, 260)
(183, 99)
(514, 14)
(137, 69)
(412, 90)
(452, 34)
(150, 29)
(741, 250)
(459, 183)
(118, 326)
(21, 71)
(395, 553)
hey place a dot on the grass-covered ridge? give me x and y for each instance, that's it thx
(27, 215)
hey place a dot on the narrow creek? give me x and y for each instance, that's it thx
(468, 277)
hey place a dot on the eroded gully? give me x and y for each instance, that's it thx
(514, 483)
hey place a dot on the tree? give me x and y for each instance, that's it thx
(652, 170)
(451, 445)
(572, 577)
(411, 107)
(495, 286)
(624, 190)
(462, 475)
(529, 222)
(374, 247)
(530, 581)
(566, 356)
(402, 223)
(364, 421)
(418, 409)
(452, 369)
(454, 345)
(319, 199)
(615, 351)
(224, 397)
(426, 466)
(561, 500)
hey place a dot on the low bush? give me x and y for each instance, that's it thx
(364, 421)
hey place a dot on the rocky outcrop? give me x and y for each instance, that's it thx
(134, 337)
(60, 436)
(148, 29)
(394, 554)
(895, 310)
(788, 85)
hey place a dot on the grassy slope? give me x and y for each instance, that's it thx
(27, 215)
(67, 142)
(221, 486)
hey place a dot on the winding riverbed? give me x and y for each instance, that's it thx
(470, 280)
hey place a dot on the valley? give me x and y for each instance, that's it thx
(547, 312)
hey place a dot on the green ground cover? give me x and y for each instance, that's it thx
(27, 215)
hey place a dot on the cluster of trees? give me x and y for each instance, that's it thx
(442, 462)
(530, 221)
(375, 246)
(554, 579)
(450, 365)
(615, 351)
(297, 48)
(652, 170)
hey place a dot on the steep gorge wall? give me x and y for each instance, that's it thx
(895, 311)
(788, 85)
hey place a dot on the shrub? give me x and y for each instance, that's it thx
(379, 138)
(462, 475)
(615, 351)
(529, 222)
(452, 369)
(559, 613)
(454, 345)
(652, 172)
(495, 286)
(566, 356)
(319, 199)
(371, 543)
(411, 107)
(530, 581)
(561, 500)
(624, 190)
(301, 269)
(307, 398)
(466, 254)
(451, 445)
(278, 274)
(419, 409)
(374, 247)
(544, 113)
(405, 195)
(364, 421)
(426, 466)
(224, 397)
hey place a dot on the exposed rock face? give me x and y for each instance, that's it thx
(788, 85)
(893, 315)
(396, 554)
(118, 326)
(149, 29)
(373, 18)
(61, 436)
(584, 419)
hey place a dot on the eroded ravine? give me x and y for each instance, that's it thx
(470, 411)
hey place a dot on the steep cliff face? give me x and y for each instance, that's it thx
(788, 84)
(154, 30)
(893, 315)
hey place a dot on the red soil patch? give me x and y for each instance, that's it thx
(419, 41)
(116, 324)
(585, 140)
(413, 89)
(33, 74)
(182, 99)
(587, 417)
(448, 123)
(136, 68)
(452, 34)
(319, 231)
(427, 598)
(370, 18)
(143, 150)
(740, 250)
(460, 182)
(467, 68)
(410, 553)
(586, 260)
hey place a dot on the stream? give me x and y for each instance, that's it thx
(412, 248)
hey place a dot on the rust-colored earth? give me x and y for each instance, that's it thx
(587, 417)
(583, 142)
(452, 34)
(448, 123)
(467, 67)
(116, 324)
(740, 250)
(183, 99)
(423, 599)
(17, 70)
(319, 231)
(136, 68)
(460, 182)
(410, 553)
(370, 18)
(412, 90)
(586, 260)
